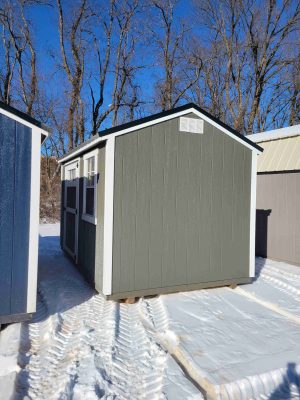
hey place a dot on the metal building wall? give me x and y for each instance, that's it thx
(278, 216)
(181, 209)
(15, 181)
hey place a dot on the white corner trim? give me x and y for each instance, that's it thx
(36, 129)
(108, 215)
(253, 215)
(34, 219)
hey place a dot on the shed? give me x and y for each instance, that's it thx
(161, 204)
(278, 194)
(20, 147)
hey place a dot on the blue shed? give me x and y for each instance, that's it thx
(20, 148)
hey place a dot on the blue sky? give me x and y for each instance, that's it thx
(46, 37)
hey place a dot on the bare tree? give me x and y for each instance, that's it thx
(7, 68)
(249, 42)
(180, 69)
(17, 39)
(294, 91)
(282, 107)
(73, 52)
(266, 40)
(115, 62)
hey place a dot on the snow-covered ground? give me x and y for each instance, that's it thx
(222, 343)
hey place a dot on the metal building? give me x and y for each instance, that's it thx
(278, 194)
(20, 147)
(162, 204)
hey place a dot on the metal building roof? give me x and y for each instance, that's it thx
(281, 149)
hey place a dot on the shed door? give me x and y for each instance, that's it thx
(71, 209)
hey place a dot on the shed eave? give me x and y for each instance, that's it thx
(156, 119)
(26, 120)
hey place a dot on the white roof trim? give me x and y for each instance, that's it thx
(154, 122)
(24, 122)
(281, 133)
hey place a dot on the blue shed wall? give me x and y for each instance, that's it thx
(15, 181)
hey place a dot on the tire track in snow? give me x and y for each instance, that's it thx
(138, 362)
(270, 385)
(65, 350)
(101, 325)
(34, 336)
(274, 277)
(168, 339)
(54, 347)
(268, 268)
(158, 314)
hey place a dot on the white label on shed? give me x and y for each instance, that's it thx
(193, 125)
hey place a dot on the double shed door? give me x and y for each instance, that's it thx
(71, 208)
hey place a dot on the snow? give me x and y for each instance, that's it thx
(9, 368)
(219, 343)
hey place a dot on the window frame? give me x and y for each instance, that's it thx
(92, 219)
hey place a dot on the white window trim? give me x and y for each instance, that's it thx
(86, 217)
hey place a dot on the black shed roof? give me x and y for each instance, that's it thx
(174, 111)
(154, 117)
(24, 116)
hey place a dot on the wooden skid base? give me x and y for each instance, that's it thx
(129, 300)
(9, 319)
(173, 289)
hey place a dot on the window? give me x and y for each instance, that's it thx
(72, 174)
(90, 166)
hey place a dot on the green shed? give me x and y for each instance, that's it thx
(162, 204)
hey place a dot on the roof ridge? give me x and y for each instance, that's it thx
(153, 118)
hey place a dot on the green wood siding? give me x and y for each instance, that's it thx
(181, 208)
